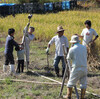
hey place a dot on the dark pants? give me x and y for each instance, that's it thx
(20, 66)
(9, 59)
(56, 62)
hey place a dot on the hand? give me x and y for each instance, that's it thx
(47, 50)
(92, 42)
(28, 24)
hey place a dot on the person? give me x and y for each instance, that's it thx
(59, 40)
(20, 55)
(78, 55)
(9, 45)
(88, 33)
(28, 36)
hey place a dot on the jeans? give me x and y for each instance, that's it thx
(57, 60)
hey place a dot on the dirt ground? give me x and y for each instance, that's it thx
(38, 64)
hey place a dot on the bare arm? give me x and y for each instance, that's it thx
(95, 38)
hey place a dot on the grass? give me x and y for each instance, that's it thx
(19, 90)
(45, 28)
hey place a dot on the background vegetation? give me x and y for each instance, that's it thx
(46, 24)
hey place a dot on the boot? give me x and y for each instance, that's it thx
(4, 68)
(83, 93)
(12, 69)
(57, 71)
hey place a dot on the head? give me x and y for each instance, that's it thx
(11, 31)
(21, 47)
(74, 39)
(31, 30)
(60, 31)
(88, 24)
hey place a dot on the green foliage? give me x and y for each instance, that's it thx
(8, 81)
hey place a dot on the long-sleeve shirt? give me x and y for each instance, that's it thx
(9, 45)
(27, 37)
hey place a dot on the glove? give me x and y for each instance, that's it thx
(47, 50)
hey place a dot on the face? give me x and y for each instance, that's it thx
(30, 31)
(60, 33)
(12, 34)
(87, 26)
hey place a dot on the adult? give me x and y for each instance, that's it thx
(88, 33)
(78, 55)
(59, 39)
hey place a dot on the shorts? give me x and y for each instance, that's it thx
(78, 75)
(9, 59)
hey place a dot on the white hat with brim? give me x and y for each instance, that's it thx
(59, 29)
(75, 39)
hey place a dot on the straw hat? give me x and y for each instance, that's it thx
(59, 29)
(74, 39)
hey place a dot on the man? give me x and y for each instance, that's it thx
(28, 36)
(78, 55)
(88, 33)
(59, 40)
(10, 43)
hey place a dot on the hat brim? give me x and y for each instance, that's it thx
(60, 31)
(75, 41)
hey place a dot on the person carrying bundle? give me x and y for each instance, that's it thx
(10, 43)
(87, 35)
(78, 55)
(59, 40)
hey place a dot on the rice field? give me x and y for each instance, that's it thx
(46, 24)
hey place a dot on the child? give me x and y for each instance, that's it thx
(20, 55)
(28, 36)
(59, 55)
(10, 43)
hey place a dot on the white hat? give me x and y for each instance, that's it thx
(74, 39)
(59, 29)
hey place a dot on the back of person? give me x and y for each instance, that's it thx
(79, 56)
(20, 54)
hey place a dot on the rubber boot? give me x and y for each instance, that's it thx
(83, 93)
(57, 71)
(12, 69)
(4, 68)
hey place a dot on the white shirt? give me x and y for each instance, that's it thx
(78, 55)
(28, 37)
(58, 44)
(88, 35)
